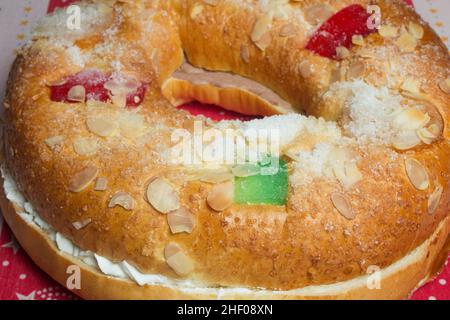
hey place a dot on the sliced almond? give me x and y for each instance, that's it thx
(347, 173)
(78, 225)
(178, 260)
(196, 11)
(83, 179)
(261, 27)
(162, 196)
(416, 30)
(387, 31)
(123, 200)
(221, 196)
(288, 30)
(318, 14)
(305, 69)
(411, 119)
(246, 170)
(406, 42)
(85, 147)
(132, 125)
(280, 10)
(417, 174)
(342, 205)
(358, 40)
(181, 221)
(101, 184)
(54, 142)
(102, 126)
(342, 52)
(445, 85)
(435, 199)
(427, 135)
(356, 70)
(77, 94)
(406, 140)
(245, 53)
(264, 42)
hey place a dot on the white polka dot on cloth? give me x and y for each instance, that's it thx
(432, 298)
(442, 282)
(22, 276)
(5, 263)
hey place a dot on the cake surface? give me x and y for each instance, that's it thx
(362, 148)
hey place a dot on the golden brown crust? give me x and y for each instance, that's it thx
(305, 243)
(396, 285)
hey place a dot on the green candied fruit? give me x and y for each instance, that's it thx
(270, 186)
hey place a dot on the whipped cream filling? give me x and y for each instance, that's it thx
(124, 270)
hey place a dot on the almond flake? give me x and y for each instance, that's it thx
(78, 225)
(85, 147)
(406, 140)
(162, 196)
(342, 52)
(101, 184)
(178, 260)
(287, 30)
(131, 125)
(416, 30)
(77, 94)
(411, 119)
(102, 126)
(181, 221)
(435, 199)
(427, 135)
(123, 200)
(445, 85)
(245, 53)
(305, 69)
(406, 42)
(261, 27)
(318, 14)
(387, 31)
(417, 174)
(221, 196)
(54, 142)
(342, 205)
(347, 173)
(83, 179)
(264, 42)
(196, 11)
(358, 40)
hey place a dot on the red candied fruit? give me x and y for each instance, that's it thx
(338, 31)
(94, 83)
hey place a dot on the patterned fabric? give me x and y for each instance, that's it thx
(21, 279)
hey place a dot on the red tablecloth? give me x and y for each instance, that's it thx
(21, 279)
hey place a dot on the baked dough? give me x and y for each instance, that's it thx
(367, 152)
